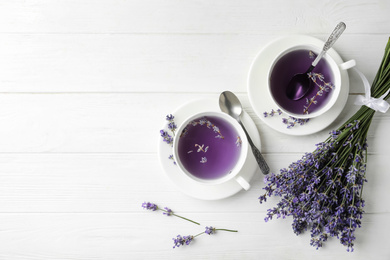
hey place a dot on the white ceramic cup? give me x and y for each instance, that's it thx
(234, 172)
(334, 68)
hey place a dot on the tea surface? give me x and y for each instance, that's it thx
(209, 148)
(298, 61)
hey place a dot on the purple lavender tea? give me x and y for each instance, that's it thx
(209, 148)
(298, 61)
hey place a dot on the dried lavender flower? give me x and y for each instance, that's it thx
(209, 230)
(290, 121)
(186, 240)
(180, 241)
(166, 137)
(166, 211)
(170, 157)
(149, 206)
(170, 118)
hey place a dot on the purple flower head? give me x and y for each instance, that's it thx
(170, 117)
(170, 157)
(166, 137)
(180, 241)
(188, 239)
(209, 230)
(289, 122)
(168, 212)
(172, 126)
(149, 206)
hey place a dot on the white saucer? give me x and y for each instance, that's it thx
(190, 187)
(262, 102)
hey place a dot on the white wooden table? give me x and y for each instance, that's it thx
(85, 86)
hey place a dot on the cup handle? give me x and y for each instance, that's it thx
(244, 184)
(347, 65)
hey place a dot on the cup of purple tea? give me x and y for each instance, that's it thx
(325, 81)
(211, 148)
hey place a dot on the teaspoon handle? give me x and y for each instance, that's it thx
(334, 35)
(256, 152)
(329, 43)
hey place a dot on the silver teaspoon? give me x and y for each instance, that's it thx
(231, 105)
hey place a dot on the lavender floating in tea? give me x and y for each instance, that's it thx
(323, 88)
(209, 147)
(295, 62)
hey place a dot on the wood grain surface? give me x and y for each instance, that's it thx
(84, 89)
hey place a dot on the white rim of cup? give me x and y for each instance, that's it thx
(243, 154)
(336, 73)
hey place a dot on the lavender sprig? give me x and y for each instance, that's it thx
(323, 86)
(171, 124)
(290, 122)
(166, 136)
(186, 240)
(272, 113)
(166, 211)
(172, 127)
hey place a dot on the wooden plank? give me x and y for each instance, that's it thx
(144, 235)
(175, 16)
(130, 123)
(88, 183)
(152, 62)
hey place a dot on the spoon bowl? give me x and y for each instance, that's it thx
(298, 86)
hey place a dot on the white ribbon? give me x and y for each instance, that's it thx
(377, 104)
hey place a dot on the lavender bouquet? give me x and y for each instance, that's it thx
(323, 190)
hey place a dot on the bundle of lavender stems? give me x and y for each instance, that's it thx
(323, 190)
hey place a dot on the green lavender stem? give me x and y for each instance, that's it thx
(173, 214)
(229, 230)
(186, 219)
(216, 229)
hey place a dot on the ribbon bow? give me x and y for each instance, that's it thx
(377, 104)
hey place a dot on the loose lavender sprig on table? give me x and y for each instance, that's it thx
(290, 121)
(186, 240)
(323, 190)
(166, 211)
